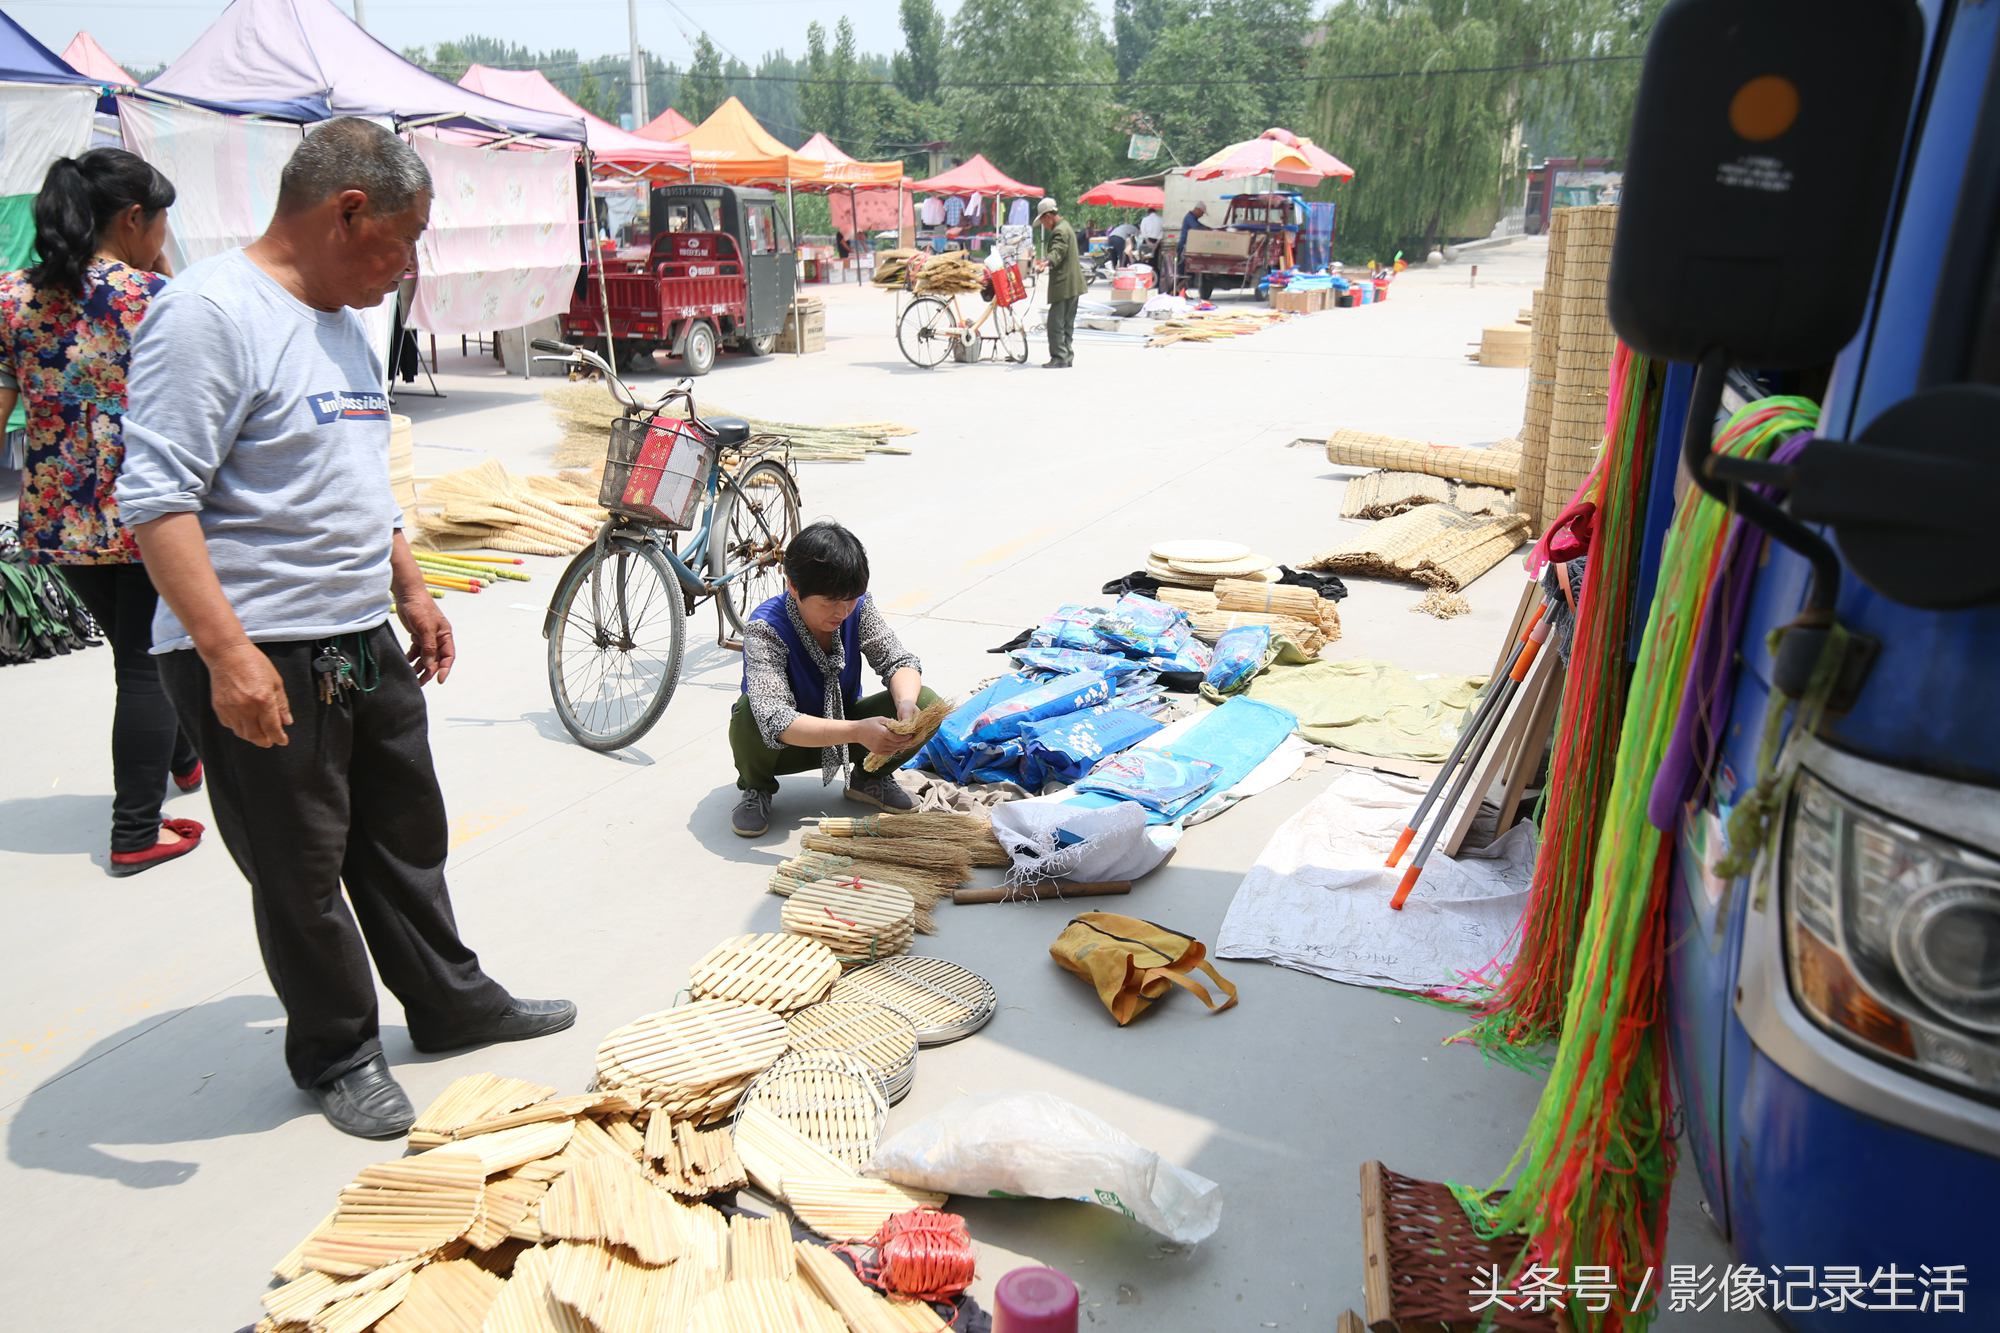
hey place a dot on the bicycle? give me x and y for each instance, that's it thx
(932, 328)
(617, 625)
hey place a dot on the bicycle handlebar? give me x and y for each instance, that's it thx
(561, 351)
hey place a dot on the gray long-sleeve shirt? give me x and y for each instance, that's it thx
(267, 418)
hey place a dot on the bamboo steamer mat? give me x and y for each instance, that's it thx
(928, 888)
(760, 1250)
(468, 1100)
(398, 1210)
(527, 1305)
(859, 921)
(1486, 467)
(301, 1299)
(1212, 625)
(1198, 551)
(863, 1310)
(879, 1037)
(1583, 356)
(942, 1001)
(505, 1149)
(852, 1210)
(623, 1131)
(556, 1108)
(359, 1313)
(776, 1155)
(1386, 494)
(448, 1297)
(1434, 545)
(605, 1288)
(694, 1060)
(694, 1162)
(293, 1265)
(773, 971)
(751, 1306)
(831, 1099)
(508, 1202)
(614, 1202)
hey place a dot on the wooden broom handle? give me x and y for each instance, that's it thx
(1002, 893)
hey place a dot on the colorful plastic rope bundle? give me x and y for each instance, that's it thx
(1524, 1010)
(1590, 1181)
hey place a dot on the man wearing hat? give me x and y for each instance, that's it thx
(1066, 284)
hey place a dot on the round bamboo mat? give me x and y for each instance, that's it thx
(695, 1061)
(876, 1035)
(772, 971)
(830, 1099)
(858, 920)
(1198, 551)
(942, 1000)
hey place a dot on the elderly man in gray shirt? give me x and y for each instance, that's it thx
(256, 481)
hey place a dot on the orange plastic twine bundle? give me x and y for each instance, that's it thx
(923, 1254)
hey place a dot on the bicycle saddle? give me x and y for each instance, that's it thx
(727, 432)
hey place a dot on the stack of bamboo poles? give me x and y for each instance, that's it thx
(576, 1230)
(1203, 326)
(485, 507)
(585, 413)
(1284, 606)
(466, 573)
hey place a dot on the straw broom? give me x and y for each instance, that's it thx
(919, 729)
(922, 853)
(972, 832)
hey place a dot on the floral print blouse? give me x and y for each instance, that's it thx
(68, 357)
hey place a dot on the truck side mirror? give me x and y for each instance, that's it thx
(1765, 141)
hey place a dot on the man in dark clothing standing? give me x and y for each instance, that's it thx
(256, 480)
(1191, 222)
(1065, 284)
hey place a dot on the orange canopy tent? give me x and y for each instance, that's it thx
(730, 146)
(628, 154)
(87, 58)
(976, 175)
(666, 127)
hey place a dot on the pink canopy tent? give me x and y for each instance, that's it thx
(609, 146)
(1123, 193)
(976, 175)
(666, 127)
(87, 58)
(840, 169)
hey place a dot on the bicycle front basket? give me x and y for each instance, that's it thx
(656, 471)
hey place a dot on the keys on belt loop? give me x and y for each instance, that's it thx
(333, 671)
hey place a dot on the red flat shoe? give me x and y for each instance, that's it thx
(191, 780)
(131, 863)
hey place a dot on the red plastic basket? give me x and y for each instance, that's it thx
(1008, 285)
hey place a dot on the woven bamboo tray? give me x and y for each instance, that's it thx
(695, 1163)
(694, 1060)
(859, 921)
(1198, 551)
(468, 1100)
(831, 1099)
(876, 1035)
(773, 971)
(776, 1156)
(942, 1001)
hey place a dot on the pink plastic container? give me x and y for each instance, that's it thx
(1034, 1300)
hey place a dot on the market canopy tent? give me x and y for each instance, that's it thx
(87, 58)
(609, 145)
(666, 127)
(1123, 193)
(976, 175)
(25, 60)
(264, 52)
(732, 147)
(837, 168)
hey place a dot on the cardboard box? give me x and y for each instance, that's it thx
(1296, 303)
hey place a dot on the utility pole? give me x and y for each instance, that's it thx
(360, 14)
(639, 116)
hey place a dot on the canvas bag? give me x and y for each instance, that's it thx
(1132, 962)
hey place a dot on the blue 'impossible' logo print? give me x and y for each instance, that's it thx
(348, 405)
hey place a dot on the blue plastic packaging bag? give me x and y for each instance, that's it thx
(1239, 655)
(1063, 749)
(1165, 782)
(1075, 659)
(1143, 627)
(1071, 626)
(1050, 698)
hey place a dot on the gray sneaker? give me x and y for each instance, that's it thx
(880, 790)
(752, 815)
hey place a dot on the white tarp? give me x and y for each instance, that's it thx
(39, 123)
(501, 251)
(225, 171)
(1318, 897)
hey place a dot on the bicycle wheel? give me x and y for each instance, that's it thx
(924, 331)
(1013, 336)
(616, 629)
(756, 518)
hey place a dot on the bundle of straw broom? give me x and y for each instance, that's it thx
(484, 506)
(919, 729)
(947, 858)
(586, 412)
(972, 832)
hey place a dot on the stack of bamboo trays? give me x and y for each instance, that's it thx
(585, 413)
(859, 921)
(830, 1099)
(694, 1061)
(775, 971)
(879, 1037)
(1201, 563)
(927, 888)
(1503, 345)
(942, 1001)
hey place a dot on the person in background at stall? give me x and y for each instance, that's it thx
(1149, 227)
(257, 484)
(66, 328)
(1122, 240)
(1066, 284)
(1192, 222)
(802, 707)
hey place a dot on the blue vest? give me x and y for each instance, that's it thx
(801, 671)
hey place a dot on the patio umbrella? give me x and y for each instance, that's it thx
(1324, 162)
(1122, 193)
(1259, 157)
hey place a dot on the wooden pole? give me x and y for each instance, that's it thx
(792, 224)
(591, 249)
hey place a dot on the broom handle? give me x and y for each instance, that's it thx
(1465, 735)
(1488, 728)
(1002, 893)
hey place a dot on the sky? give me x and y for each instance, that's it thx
(154, 32)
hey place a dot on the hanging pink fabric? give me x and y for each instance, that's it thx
(501, 250)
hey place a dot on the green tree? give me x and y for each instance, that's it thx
(1060, 138)
(1223, 71)
(1136, 25)
(702, 88)
(920, 64)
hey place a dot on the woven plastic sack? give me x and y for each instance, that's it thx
(1009, 717)
(1144, 627)
(1075, 659)
(1039, 1146)
(1054, 839)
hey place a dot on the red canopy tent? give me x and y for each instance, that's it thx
(976, 175)
(666, 127)
(1122, 193)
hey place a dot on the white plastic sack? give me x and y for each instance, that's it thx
(1050, 838)
(1040, 1146)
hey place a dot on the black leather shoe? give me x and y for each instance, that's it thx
(366, 1102)
(519, 1021)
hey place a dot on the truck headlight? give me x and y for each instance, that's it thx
(1893, 937)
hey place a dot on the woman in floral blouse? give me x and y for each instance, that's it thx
(66, 329)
